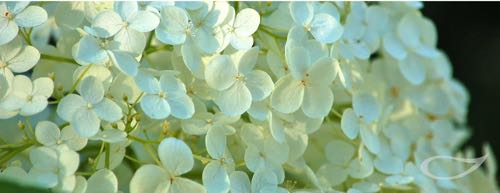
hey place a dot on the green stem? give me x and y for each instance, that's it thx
(75, 85)
(143, 141)
(58, 58)
(108, 155)
(13, 153)
(159, 48)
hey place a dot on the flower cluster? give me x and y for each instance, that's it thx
(219, 97)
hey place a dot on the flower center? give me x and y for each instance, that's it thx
(29, 98)
(162, 95)
(89, 106)
(8, 15)
(239, 77)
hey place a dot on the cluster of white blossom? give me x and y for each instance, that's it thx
(219, 97)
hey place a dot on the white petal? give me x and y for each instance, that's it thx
(72, 139)
(147, 82)
(35, 105)
(88, 50)
(144, 21)
(181, 105)
(26, 59)
(240, 183)
(235, 100)
(350, 124)
(389, 164)
(124, 62)
(260, 84)
(241, 42)
(324, 71)
(394, 46)
(302, 12)
(47, 133)
(192, 58)
(366, 106)
(31, 16)
(110, 136)
(85, 122)
(107, 24)
(215, 142)
(413, 70)
(183, 185)
(176, 156)
(43, 86)
(68, 106)
(370, 139)
(298, 62)
(125, 8)
(108, 110)
(245, 60)
(362, 166)
(326, 29)
(147, 178)
(215, 178)
(131, 41)
(318, 101)
(408, 29)
(287, 95)
(155, 107)
(173, 26)
(91, 89)
(8, 30)
(103, 181)
(220, 73)
(246, 22)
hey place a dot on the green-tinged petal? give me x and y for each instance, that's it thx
(155, 107)
(318, 101)
(31, 16)
(220, 73)
(215, 178)
(350, 124)
(147, 178)
(240, 183)
(25, 60)
(183, 185)
(107, 24)
(260, 84)
(68, 106)
(85, 122)
(8, 30)
(366, 106)
(326, 29)
(235, 100)
(91, 89)
(215, 142)
(47, 133)
(302, 12)
(288, 95)
(143, 21)
(124, 62)
(103, 181)
(108, 110)
(175, 156)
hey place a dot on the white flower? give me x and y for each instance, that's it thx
(239, 30)
(18, 14)
(127, 25)
(164, 96)
(177, 159)
(15, 57)
(86, 111)
(48, 134)
(324, 27)
(237, 82)
(307, 85)
(28, 98)
(262, 181)
(51, 165)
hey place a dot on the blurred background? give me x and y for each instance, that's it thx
(469, 33)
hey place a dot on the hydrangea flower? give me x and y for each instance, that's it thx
(49, 134)
(92, 50)
(240, 28)
(16, 57)
(127, 25)
(85, 111)
(306, 86)
(177, 159)
(237, 82)
(27, 97)
(164, 96)
(18, 14)
(324, 27)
